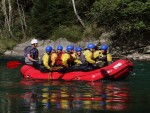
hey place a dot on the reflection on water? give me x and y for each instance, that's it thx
(65, 95)
(32, 96)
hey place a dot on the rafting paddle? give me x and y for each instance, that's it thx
(13, 64)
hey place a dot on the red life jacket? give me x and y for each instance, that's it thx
(59, 60)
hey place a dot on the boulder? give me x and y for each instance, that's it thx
(147, 50)
(19, 49)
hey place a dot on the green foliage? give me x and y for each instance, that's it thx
(76, 33)
(72, 33)
(92, 31)
(104, 11)
(135, 13)
(83, 8)
(123, 16)
(46, 18)
(47, 15)
(7, 44)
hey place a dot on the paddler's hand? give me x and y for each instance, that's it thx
(95, 65)
(50, 69)
(100, 63)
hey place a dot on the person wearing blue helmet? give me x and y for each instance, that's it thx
(67, 58)
(104, 47)
(60, 52)
(59, 47)
(53, 57)
(103, 58)
(48, 49)
(55, 54)
(46, 60)
(79, 59)
(70, 49)
(78, 49)
(89, 54)
(106, 56)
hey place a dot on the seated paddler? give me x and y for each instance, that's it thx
(79, 57)
(67, 57)
(31, 54)
(66, 60)
(79, 61)
(58, 61)
(89, 56)
(102, 56)
(53, 57)
(46, 60)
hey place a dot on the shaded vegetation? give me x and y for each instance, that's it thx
(52, 19)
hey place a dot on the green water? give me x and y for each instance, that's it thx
(18, 95)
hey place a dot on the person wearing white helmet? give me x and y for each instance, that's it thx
(34, 41)
(31, 53)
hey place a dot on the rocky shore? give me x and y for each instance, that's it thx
(135, 55)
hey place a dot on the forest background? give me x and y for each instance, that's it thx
(128, 21)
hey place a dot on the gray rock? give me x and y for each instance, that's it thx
(105, 38)
(8, 53)
(139, 56)
(147, 50)
(19, 49)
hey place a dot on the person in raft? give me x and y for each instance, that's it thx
(53, 57)
(46, 60)
(67, 58)
(79, 61)
(31, 53)
(105, 56)
(89, 53)
(79, 57)
(58, 60)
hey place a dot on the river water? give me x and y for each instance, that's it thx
(18, 95)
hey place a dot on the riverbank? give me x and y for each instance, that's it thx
(142, 54)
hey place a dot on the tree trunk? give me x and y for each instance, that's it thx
(8, 17)
(75, 11)
(22, 19)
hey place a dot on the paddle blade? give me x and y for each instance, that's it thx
(13, 64)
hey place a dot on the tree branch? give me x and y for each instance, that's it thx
(75, 11)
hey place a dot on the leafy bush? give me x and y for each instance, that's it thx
(72, 33)
(128, 18)
(76, 33)
(47, 15)
(7, 44)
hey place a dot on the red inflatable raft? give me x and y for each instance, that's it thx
(119, 69)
